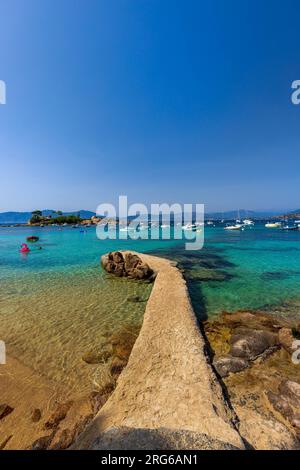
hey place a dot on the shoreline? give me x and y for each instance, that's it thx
(168, 387)
(173, 395)
(173, 392)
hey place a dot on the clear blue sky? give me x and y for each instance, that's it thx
(165, 101)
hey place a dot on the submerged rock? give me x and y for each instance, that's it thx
(128, 265)
(134, 299)
(97, 356)
(5, 410)
(117, 366)
(58, 415)
(36, 415)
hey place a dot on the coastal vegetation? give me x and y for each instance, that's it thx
(37, 218)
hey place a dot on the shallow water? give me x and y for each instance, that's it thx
(57, 303)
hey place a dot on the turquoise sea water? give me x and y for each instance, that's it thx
(57, 303)
(257, 268)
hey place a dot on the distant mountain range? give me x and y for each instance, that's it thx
(242, 214)
(23, 217)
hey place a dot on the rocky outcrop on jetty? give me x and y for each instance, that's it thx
(127, 264)
(168, 396)
(252, 354)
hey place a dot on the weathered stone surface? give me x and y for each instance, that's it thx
(250, 344)
(286, 339)
(126, 438)
(287, 402)
(226, 364)
(127, 264)
(292, 390)
(264, 433)
(5, 410)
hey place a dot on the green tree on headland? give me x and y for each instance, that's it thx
(36, 217)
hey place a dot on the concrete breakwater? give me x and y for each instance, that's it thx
(168, 396)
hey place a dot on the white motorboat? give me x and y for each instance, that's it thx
(248, 222)
(273, 225)
(234, 227)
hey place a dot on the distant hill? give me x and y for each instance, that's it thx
(243, 214)
(291, 215)
(23, 217)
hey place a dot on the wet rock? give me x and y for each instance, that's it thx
(117, 366)
(36, 415)
(127, 265)
(5, 410)
(229, 364)
(258, 321)
(64, 438)
(59, 414)
(250, 344)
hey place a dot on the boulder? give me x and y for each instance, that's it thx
(126, 265)
(226, 364)
(264, 432)
(287, 402)
(286, 339)
(250, 344)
